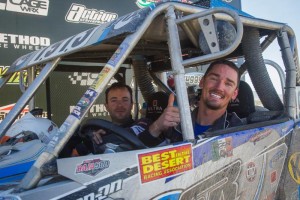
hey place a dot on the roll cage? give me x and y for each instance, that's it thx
(165, 35)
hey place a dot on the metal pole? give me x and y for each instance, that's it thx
(30, 78)
(290, 94)
(279, 71)
(4, 79)
(178, 71)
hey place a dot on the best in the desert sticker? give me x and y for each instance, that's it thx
(164, 163)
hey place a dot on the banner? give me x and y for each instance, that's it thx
(30, 25)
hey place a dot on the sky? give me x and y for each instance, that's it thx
(284, 11)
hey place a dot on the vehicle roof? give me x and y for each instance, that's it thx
(99, 43)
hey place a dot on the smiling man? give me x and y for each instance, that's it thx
(219, 85)
(119, 104)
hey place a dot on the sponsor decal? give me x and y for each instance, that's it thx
(102, 189)
(251, 171)
(125, 20)
(100, 193)
(70, 44)
(164, 163)
(70, 120)
(222, 148)
(45, 138)
(276, 157)
(34, 7)
(124, 25)
(273, 176)
(97, 110)
(137, 129)
(60, 133)
(294, 167)
(101, 77)
(227, 1)
(219, 185)
(92, 167)
(83, 103)
(4, 110)
(118, 54)
(15, 78)
(260, 135)
(23, 42)
(154, 107)
(193, 78)
(54, 140)
(80, 14)
(146, 3)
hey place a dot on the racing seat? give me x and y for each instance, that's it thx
(244, 104)
(244, 107)
(156, 104)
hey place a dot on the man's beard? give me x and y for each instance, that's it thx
(121, 120)
(213, 106)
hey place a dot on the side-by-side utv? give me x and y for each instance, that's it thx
(259, 160)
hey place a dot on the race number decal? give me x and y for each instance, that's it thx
(217, 186)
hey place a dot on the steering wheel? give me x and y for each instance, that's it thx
(114, 134)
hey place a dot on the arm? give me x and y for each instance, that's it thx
(168, 119)
(152, 133)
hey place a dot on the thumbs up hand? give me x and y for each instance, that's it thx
(169, 118)
(171, 100)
